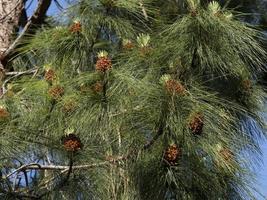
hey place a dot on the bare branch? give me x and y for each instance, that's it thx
(143, 9)
(16, 74)
(22, 168)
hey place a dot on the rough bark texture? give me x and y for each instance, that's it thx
(10, 12)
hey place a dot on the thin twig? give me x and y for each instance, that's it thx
(22, 168)
(16, 74)
(143, 9)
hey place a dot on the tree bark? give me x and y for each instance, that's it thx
(10, 12)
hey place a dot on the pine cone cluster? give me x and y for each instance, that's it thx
(175, 87)
(50, 75)
(72, 142)
(4, 114)
(97, 87)
(103, 63)
(172, 154)
(56, 92)
(196, 124)
(76, 27)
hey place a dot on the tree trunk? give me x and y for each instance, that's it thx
(10, 12)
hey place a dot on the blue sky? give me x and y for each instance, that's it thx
(260, 172)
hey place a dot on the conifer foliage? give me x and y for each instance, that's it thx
(134, 99)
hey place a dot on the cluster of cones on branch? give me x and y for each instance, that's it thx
(55, 91)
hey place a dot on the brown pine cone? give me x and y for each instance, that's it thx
(56, 92)
(127, 44)
(76, 27)
(69, 106)
(97, 87)
(103, 64)
(196, 124)
(4, 114)
(50, 75)
(172, 154)
(175, 87)
(72, 143)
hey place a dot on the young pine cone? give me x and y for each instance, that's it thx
(127, 44)
(4, 114)
(97, 87)
(76, 27)
(175, 87)
(56, 92)
(69, 106)
(50, 75)
(172, 154)
(196, 124)
(103, 64)
(72, 143)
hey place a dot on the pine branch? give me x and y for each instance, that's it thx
(37, 166)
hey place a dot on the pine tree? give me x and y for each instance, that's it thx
(131, 99)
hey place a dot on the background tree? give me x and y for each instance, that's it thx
(135, 100)
(14, 16)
